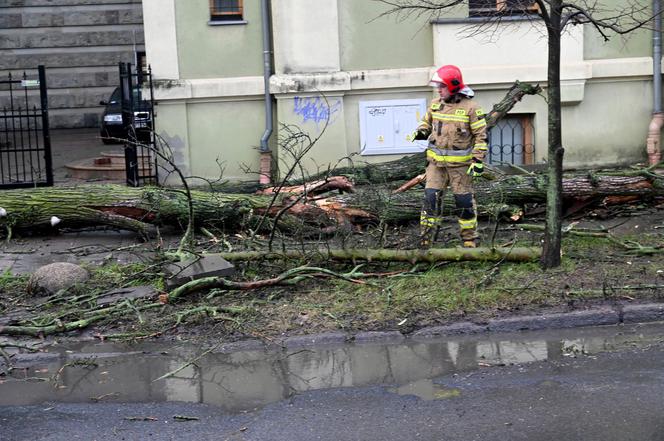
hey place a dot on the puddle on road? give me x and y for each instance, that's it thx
(249, 379)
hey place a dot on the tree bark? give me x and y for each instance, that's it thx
(140, 209)
(525, 254)
(551, 255)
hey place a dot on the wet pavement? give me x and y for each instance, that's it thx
(24, 255)
(594, 384)
(68, 145)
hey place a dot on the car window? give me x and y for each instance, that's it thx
(115, 96)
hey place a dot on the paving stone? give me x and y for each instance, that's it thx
(205, 266)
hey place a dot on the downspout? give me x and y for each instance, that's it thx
(654, 129)
(266, 154)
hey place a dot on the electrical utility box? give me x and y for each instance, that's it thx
(385, 126)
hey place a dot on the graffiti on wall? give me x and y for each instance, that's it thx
(317, 109)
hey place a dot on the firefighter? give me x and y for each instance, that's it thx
(455, 127)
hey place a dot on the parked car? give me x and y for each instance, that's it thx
(112, 130)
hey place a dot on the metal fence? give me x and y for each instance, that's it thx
(137, 103)
(512, 141)
(25, 143)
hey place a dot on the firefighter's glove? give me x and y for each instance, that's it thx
(417, 135)
(476, 169)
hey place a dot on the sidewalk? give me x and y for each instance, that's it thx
(69, 145)
(24, 255)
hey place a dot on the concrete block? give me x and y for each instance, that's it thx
(460, 328)
(206, 266)
(650, 312)
(58, 39)
(555, 321)
(378, 337)
(71, 60)
(8, 21)
(56, 3)
(330, 338)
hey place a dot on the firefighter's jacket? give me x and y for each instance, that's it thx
(456, 130)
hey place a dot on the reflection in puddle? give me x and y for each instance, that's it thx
(427, 390)
(252, 378)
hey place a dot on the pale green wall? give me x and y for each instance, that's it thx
(221, 51)
(331, 146)
(636, 44)
(610, 125)
(171, 125)
(228, 131)
(368, 42)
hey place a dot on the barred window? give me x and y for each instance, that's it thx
(512, 141)
(483, 8)
(225, 10)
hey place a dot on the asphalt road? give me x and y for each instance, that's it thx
(611, 396)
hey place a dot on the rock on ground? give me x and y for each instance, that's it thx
(53, 277)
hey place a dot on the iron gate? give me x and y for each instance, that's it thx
(25, 142)
(137, 103)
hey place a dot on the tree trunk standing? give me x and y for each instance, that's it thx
(551, 253)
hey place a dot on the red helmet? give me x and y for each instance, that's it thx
(450, 76)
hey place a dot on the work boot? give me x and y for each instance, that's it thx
(426, 237)
(470, 243)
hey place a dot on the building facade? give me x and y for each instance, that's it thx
(80, 42)
(341, 68)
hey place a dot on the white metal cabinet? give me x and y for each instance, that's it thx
(384, 126)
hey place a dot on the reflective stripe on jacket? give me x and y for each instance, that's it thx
(457, 131)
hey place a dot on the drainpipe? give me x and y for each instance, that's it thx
(266, 154)
(654, 129)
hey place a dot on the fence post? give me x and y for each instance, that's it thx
(48, 160)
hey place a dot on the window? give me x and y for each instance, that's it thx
(225, 10)
(483, 8)
(512, 141)
(141, 62)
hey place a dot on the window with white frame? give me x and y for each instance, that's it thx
(484, 8)
(385, 126)
(226, 10)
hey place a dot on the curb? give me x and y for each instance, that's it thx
(644, 313)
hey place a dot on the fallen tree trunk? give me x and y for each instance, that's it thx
(524, 254)
(141, 209)
(503, 196)
(136, 209)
